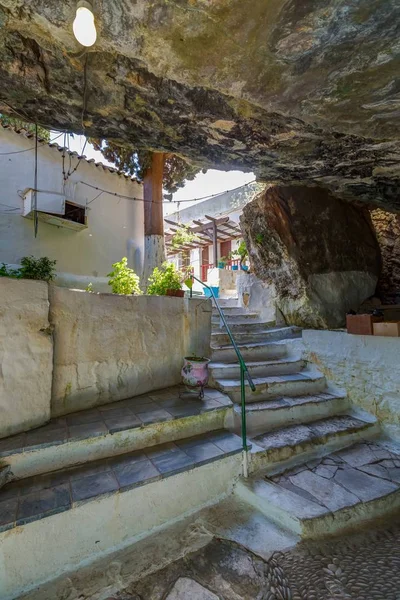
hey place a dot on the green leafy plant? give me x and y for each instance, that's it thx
(183, 236)
(5, 271)
(89, 288)
(37, 268)
(167, 277)
(259, 238)
(123, 279)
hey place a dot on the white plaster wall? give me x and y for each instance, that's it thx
(26, 355)
(257, 296)
(115, 225)
(367, 367)
(109, 347)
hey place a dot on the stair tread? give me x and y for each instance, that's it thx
(294, 435)
(257, 363)
(267, 330)
(140, 411)
(44, 495)
(246, 345)
(289, 402)
(364, 472)
(233, 383)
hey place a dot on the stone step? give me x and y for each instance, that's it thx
(74, 515)
(284, 445)
(231, 310)
(112, 429)
(250, 351)
(268, 388)
(282, 412)
(228, 302)
(234, 320)
(337, 492)
(261, 368)
(243, 335)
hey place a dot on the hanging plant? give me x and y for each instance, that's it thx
(183, 236)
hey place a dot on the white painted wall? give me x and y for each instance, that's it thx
(115, 225)
(366, 366)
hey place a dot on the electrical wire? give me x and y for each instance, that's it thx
(29, 149)
(134, 199)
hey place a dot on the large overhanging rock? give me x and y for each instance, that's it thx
(303, 92)
(319, 253)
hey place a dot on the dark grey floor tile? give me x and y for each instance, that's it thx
(11, 490)
(216, 394)
(43, 503)
(228, 442)
(12, 445)
(85, 416)
(111, 412)
(127, 459)
(172, 462)
(211, 404)
(87, 430)
(161, 450)
(91, 468)
(187, 410)
(45, 436)
(143, 407)
(42, 482)
(203, 452)
(139, 473)
(92, 486)
(154, 416)
(169, 402)
(122, 423)
(8, 513)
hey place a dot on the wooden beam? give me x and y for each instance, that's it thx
(153, 196)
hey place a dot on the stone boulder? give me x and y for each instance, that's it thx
(387, 229)
(319, 252)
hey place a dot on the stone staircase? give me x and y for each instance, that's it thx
(105, 477)
(301, 431)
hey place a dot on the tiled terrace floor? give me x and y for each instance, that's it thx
(164, 405)
(361, 473)
(44, 495)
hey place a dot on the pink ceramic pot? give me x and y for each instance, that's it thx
(195, 372)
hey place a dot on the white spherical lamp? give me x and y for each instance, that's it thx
(83, 26)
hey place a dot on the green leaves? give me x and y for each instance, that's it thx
(32, 268)
(165, 278)
(123, 280)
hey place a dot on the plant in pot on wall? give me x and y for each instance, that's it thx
(243, 254)
(166, 281)
(222, 262)
(234, 255)
(195, 373)
(123, 280)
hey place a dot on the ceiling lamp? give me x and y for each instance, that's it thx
(83, 26)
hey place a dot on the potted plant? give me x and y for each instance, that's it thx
(222, 262)
(195, 372)
(243, 255)
(166, 281)
(234, 256)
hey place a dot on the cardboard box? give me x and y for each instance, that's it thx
(387, 329)
(361, 324)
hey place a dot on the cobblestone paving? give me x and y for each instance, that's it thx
(358, 567)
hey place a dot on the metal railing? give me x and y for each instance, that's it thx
(244, 374)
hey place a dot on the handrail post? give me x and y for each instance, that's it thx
(244, 373)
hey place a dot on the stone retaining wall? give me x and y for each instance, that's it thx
(103, 347)
(366, 366)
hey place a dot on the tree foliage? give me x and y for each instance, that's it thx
(135, 162)
(19, 124)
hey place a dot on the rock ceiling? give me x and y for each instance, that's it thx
(299, 91)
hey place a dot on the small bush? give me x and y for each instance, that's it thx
(167, 277)
(32, 268)
(38, 268)
(124, 280)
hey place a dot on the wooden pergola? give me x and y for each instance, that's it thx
(208, 230)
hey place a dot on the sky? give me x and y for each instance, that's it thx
(212, 182)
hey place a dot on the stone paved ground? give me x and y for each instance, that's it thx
(359, 567)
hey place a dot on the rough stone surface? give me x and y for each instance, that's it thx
(186, 588)
(387, 227)
(365, 366)
(26, 355)
(298, 92)
(109, 347)
(319, 253)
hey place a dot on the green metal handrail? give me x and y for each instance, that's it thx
(244, 372)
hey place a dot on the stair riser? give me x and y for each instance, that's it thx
(46, 459)
(261, 421)
(277, 390)
(94, 529)
(286, 456)
(231, 311)
(248, 328)
(220, 339)
(233, 319)
(268, 352)
(233, 372)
